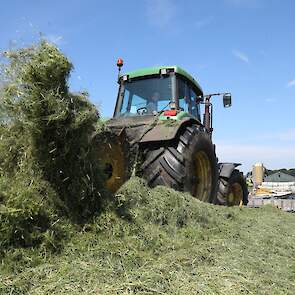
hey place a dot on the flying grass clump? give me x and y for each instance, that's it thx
(48, 166)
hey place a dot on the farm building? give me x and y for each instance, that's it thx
(279, 177)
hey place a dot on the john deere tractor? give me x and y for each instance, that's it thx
(157, 133)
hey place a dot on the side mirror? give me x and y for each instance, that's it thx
(227, 100)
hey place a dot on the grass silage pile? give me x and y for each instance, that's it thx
(144, 241)
(163, 242)
(48, 171)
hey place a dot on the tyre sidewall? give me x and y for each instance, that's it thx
(236, 177)
(200, 142)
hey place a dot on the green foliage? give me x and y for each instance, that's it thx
(48, 166)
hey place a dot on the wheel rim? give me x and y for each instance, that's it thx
(113, 165)
(235, 196)
(203, 173)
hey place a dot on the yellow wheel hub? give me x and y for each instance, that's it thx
(113, 164)
(235, 196)
(203, 173)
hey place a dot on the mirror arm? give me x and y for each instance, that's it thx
(208, 115)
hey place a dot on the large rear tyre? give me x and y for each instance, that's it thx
(187, 163)
(232, 191)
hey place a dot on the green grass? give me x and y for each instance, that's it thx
(163, 242)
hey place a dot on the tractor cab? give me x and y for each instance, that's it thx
(152, 91)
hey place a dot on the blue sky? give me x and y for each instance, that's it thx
(243, 46)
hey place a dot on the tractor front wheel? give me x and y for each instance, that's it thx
(112, 157)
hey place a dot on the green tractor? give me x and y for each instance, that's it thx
(157, 133)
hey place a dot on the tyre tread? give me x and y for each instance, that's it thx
(167, 164)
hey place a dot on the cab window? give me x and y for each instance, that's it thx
(145, 96)
(183, 96)
(195, 107)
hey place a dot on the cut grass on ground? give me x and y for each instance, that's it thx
(163, 242)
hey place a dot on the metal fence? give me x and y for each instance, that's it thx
(287, 205)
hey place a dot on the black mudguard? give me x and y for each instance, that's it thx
(226, 169)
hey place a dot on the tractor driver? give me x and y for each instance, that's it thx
(152, 106)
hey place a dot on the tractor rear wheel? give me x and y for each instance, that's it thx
(187, 163)
(232, 191)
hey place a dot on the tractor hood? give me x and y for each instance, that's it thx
(136, 121)
(131, 129)
(143, 129)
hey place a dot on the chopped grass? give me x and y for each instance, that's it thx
(49, 170)
(164, 242)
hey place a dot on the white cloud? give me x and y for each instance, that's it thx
(282, 136)
(288, 135)
(291, 83)
(160, 13)
(248, 154)
(241, 56)
(274, 149)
